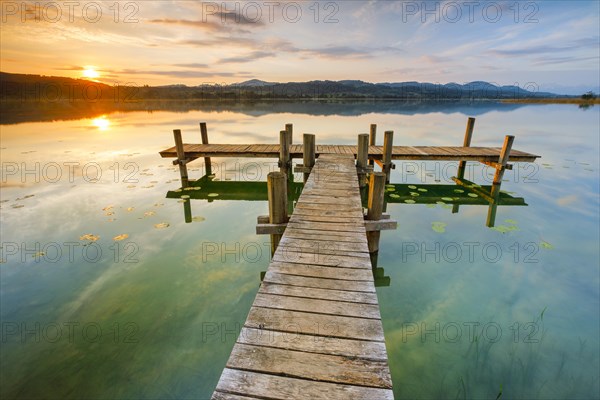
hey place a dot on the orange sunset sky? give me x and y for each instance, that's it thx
(552, 43)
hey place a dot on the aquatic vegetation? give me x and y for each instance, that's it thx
(447, 199)
(422, 190)
(120, 237)
(198, 219)
(89, 237)
(414, 194)
(472, 195)
(511, 221)
(162, 225)
(412, 187)
(409, 201)
(439, 227)
(213, 195)
(458, 191)
(546, 245)
(394, 196)
(185, 197)
(130, 209)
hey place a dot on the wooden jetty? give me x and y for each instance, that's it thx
(314, 330)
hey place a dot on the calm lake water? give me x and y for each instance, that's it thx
(468, 311)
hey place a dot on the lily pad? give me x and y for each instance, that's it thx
(505, 229)
(162, 225)
(511, 221)
(458, 191)
(89, 237)
(422, 190)
(414, 194)
(430, 205)
(108, 208)
(439, 227)
(472, 195)
(198, 219)
(447, 199)
(412, 187)
(440, 203)
(409, 201)
(546, 245)
(149, 213)
(120, 237)
(185, 197)
(394, 196)
(130, 209)
(18, 206)
(213, 195)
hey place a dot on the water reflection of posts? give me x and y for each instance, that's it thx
(375, 208)
(278, 199)
(181, 161)
(204, 134)
(500, 168)
(289, 128)
(187, 211)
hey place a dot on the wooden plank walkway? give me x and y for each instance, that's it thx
(433, 153)
(314, 330)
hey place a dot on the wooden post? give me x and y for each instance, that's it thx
(204, 134)
(375, 207)
(277, 192)
(466, 143)
(309, 153)
(284, 152)
(502, 161)
(289, 128)
(388, 141)
(372, 138)
(362, 158)
(181, 161)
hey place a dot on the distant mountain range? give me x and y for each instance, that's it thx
(36, 87)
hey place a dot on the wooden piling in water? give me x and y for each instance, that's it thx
(375, 207)
(289, 128)
(308, 141)
(388, 143)
(204, 134)
(372, 138)
(181, 161)
(277, 192)
(362, 158)
(466, 143)
(284, 152)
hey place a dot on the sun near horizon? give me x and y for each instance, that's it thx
(90, 72)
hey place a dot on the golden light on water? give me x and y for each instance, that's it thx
(102, 123)
(90, 72)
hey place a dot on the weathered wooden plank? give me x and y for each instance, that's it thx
(313, 366)
(228, 396)
(318, 282)
(358, 246)
(279, 387)
(314, 344)
(324, 226)
(326, 251)
(322, 271)
(320, 306)
(332, 260)
(315, 293)
(315, 324)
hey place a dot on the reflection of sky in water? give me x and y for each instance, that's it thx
(176, 290)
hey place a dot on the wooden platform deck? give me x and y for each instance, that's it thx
(314, 330)
(435, 153)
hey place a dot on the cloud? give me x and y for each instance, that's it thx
(191, 65)
(256, 55)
